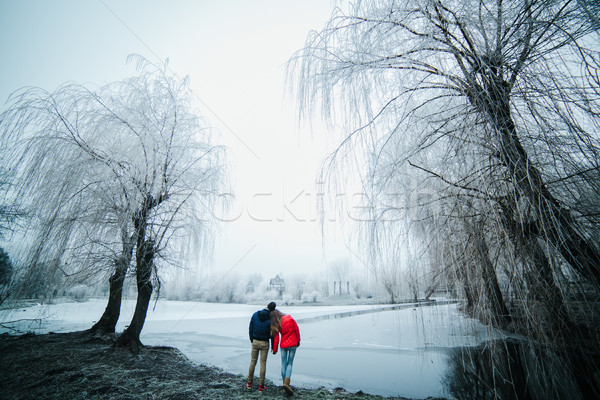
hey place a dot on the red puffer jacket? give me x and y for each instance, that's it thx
(290, 334)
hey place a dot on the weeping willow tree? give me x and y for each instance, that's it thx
(124, 173)
(482, 118)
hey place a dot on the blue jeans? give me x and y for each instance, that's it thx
(287, 360)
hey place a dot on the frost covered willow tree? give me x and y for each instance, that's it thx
(481, 118)
(127, 170)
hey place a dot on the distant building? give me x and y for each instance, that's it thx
(250, 287)
(277, 284)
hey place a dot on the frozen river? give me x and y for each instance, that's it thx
(391, 352)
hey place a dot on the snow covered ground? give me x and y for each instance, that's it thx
(398, 352)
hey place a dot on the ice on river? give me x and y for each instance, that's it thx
(394, 352)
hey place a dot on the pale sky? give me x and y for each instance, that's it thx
(234, 52)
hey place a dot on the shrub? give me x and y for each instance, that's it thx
(78, 292)
(312, 297)
(6, 267)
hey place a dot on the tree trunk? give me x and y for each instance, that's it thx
(468, 295)
(108, 321)
(546, 289)
(553, 222)
(461, 269)
(499, 312)
(144, 262)
(390, 289)
(478, 274)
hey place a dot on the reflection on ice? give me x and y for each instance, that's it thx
(509, 369)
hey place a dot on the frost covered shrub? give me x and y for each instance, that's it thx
(287, 300)
(78, 292)
(312, 297)
(186, 293)
(258, 297)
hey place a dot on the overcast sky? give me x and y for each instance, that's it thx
(234, 52)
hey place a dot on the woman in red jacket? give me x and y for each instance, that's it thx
(284, 325)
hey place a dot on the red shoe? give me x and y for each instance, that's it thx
(249, 386)
(262, 388)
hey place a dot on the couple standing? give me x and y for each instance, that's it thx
(271, 323)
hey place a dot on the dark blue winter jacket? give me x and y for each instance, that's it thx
(260, 325)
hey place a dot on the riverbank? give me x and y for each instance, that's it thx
(78, 365)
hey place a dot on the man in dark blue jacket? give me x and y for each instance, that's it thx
(260, 333)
